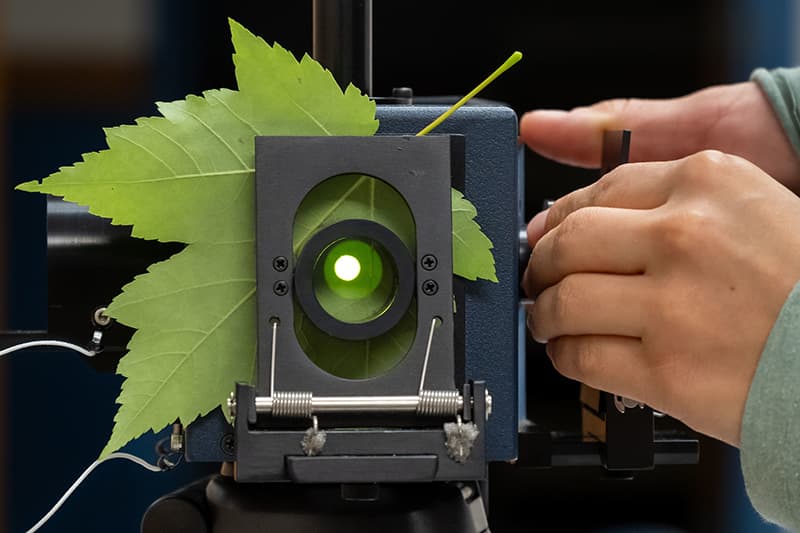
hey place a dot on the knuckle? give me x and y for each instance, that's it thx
(682, 232)
(562, 235)
(576, 358)
(586, 359)
(604, 188)
(564, 297)
(705, 165)
(709, 157)
(617, 106)
(555, 215)
(572, 225)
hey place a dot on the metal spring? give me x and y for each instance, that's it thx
(439, 403)
(293, 404)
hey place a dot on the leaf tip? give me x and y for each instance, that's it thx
(108, 450)
(235, 26)
(28, 186)
(241, 36)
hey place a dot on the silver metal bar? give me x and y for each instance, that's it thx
(367, 404)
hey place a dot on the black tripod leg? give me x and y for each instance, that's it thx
(183, 511)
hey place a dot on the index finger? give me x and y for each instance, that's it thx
(630, 186)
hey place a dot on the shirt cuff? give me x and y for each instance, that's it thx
(770, 440)
(782, 88)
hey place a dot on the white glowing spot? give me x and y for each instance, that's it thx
(347, 268)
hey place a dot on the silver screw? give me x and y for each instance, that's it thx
(100, 317)
(176, 439)
(232, 405)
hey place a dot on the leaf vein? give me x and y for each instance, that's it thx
(234, 113)
(180, 291)
(146, 150)
(333, 207)
(217, 135)
(186, 358)
(163, 178)
(176, 143)
(309, 115)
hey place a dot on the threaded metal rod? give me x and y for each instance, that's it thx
(303, 404)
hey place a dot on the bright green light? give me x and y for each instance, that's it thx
(353, 282)
(347, 268)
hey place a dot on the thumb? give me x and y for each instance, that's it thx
(663, 130)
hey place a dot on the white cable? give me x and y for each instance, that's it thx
(427, 355)
(119, 455)
(50, 343)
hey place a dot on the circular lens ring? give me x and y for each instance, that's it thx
(354, 229)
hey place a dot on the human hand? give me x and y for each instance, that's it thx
(736, 119)
(662, 280)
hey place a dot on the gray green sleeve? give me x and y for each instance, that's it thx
(770, 440)
(782, 87)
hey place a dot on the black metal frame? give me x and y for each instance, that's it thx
(385, 448)
(420, 169)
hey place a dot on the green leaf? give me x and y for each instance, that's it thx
(302, 96)
(196, 311)
(196, 320)
(472, 249)
(198, 158)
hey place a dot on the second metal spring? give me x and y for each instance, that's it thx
(440, 403)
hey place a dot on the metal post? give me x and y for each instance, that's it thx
(343, 40)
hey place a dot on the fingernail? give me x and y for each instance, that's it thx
(601, 119)
(529, 323)
(536, 227)
(546, 112)
(543, 114)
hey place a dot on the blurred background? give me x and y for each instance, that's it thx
(67, 69)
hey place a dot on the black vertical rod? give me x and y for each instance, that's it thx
(343, 40)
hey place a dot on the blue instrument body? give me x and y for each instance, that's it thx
(493, 324)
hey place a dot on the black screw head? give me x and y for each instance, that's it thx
(281, 288)
(280, 263)
(430, 287)
(228, 444)
(429, 262)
